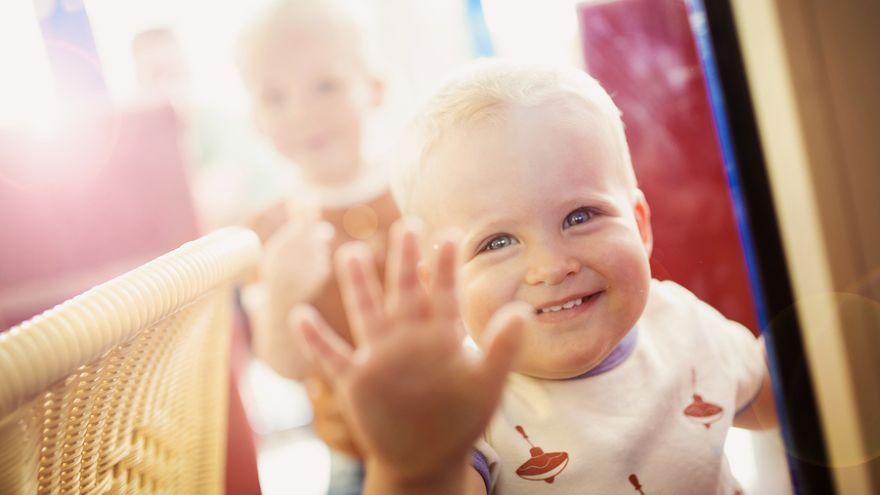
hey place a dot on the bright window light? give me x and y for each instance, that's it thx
(534, 31)
(27, 91)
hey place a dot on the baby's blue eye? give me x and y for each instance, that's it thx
(579, 216)
(498, 242)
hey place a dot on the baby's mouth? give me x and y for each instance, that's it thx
(318, 140)
(568, 305)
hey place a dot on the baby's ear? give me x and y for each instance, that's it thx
(643, 220)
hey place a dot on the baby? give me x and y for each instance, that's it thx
(621, 383)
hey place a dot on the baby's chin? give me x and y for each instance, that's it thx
(569, 357)
(572, 368)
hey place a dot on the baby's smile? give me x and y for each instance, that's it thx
(559, 311)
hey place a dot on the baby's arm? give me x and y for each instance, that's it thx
(761, 413)
(736, 351)
(416, 400)
(294, 267)
(379, 480)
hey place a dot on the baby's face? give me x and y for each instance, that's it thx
(310, 92)
(544, 216)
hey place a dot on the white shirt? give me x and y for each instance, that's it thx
(655, 423)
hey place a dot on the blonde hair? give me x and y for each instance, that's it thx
(482, 92)
(346, 19)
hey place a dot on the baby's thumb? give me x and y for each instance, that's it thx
(503, 341)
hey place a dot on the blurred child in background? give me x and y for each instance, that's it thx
(308, 68)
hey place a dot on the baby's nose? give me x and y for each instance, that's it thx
(551, 268)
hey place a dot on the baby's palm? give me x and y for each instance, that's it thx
(415, 397)
(296, 259)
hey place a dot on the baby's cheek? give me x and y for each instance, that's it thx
(635, 279)
(628, 259)
(475, 309)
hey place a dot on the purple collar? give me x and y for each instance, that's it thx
(617, 356)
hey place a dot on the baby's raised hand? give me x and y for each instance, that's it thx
(295, 268)
(296, 261)
(415, 397)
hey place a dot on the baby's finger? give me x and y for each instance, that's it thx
(332, 354)
(361, 291)
(443, 292)
(304, 211)
(502, 343)
(406, 298)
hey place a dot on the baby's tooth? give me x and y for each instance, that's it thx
(568, 305)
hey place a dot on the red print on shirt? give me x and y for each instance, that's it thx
(636, 484)
(700, 411)
(542, 466)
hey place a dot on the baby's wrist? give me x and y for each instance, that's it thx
(287, 291)
(393, 480)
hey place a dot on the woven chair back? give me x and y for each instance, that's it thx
(123, 388)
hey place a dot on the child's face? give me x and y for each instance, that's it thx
(310, 92)
(546, 216)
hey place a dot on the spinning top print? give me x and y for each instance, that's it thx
(634, 480)
(700, 411)
(542, 466)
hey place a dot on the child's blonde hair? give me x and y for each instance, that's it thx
(346, 19)
(483, 92)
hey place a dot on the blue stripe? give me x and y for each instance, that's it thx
(481, 40)
(700, 28)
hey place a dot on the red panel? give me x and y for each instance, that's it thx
(80, 207)
(643, 53)
(242, 476)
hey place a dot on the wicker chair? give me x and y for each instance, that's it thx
(123, 388)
